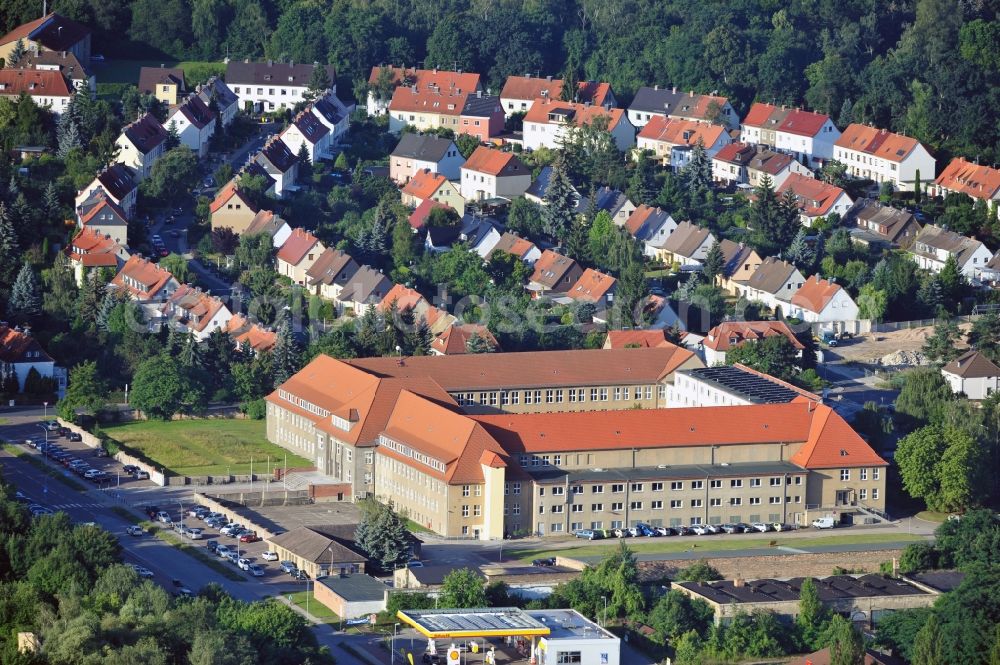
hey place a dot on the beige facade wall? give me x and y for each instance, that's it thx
(863, 486)
(233, 215)
(311, 567)
(560, 399)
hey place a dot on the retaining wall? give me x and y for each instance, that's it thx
(233, 515)
(92, 441)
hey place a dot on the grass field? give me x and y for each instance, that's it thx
(127, 71)
(707, 545)
(316, 608)
(205, 447)
(930, 516)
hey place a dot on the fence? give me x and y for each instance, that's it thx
(892, 326)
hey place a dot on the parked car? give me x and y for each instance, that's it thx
(134, 530)
(142, 475)
(549, 561)
(212, 545)
(129, 469)
(249, 537)
(664, 531)
(699, 529)
(232, 556)
(634, 531)
(230, 528)
(683, 530)
(255, 570)
(761, 527)
(152, 512)
(163, 517)
(193, 533)
(52, 426)
(729, 528)
(584, 533)
(288, 567)
(823, 523)
(193, 512)
(243, 563)
(74, 436)
(269, 556)
(222, 551)
(414, 563)
(144, 572)
(301, 575)
(713, 528)
(63, 431)
(743, 527)
(621, 533)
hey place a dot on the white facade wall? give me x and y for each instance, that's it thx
(688, 391)
(840, 206)
(190, 135)
(840, 308)
(476, 186)
(270, 96)
(552, 134)
(21, 369)
(972, 266)
(979, 387)
(294, 139)
(131, 156)
(901, 174)
(809, 149)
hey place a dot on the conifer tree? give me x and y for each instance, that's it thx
(173, 136)
(190, 355)
(104, 313)
(560, 208)
(17, 52)
(25, 296)
(50, 202)
(799, 252)
(697, 173)
(420, 338)
(714, 263)
(9, 246)
(67, 135)
(286, 356)
(479, 344)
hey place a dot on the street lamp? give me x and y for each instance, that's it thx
(392, 650)
(45, 410)
(604, 623)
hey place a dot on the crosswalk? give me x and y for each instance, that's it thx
(64, 506)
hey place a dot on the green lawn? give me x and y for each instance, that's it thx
(205, 447)
(316, 608)
(127, 71)
(930, 516)
(703, 544)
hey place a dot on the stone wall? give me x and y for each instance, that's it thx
(124, 458)
(232, 515)
(778, 565)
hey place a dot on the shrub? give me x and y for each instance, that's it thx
(254, 409)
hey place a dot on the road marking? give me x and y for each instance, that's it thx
(793, 550)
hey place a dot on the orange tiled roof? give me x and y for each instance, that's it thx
(192, 303)
(765, 115)
(430, 99)
(228, 191)
(53, 31)
(720, 338)
(15, 343)
(495, 162)
(976, 180)
(404, 297)
(815, 293)
(455, 338)
(513, 244)
(242, 331)
(93, 249)
(33, 82)
(550, 268)
(832, 443)
(582, 114)
(442, 79)
(418, 218)
(815, 197)
(876, 142)
(592, 286)
(676, 131)
(424, 183)
(297, 246)
(654, 338)
(102, 203)
(532, 87)
(150, 277)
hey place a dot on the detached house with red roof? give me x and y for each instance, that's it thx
(141, 143)
(882, 156)
(481, 117)
(732, 334)
(663, 102)
(520, 92)
(595, 288)
(118, 186)
(298, 254)
(977, 181)
(232, 209)
(306, 130)
(546, 124)
(101, 215)
(458, 338)
(191, 310)
(425, 185)
(380, 96)
(144, 281)
(242, 332)
(651, 227)
(52, 32)
(822, 301)
(428, 106)
(520, 247)
(806, 135)
(405, 299)
(20, 353)
(671, 140)
(491, 173)
(90, 249)
(48, 89)
(554, 274)
(815, 198)
(194, 122)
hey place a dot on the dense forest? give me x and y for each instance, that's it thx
(929, 68)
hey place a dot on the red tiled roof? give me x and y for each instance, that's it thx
(93, 249)
(815, 293)
(513, 244)
(582, 114)
(423, 184)
(444, 80)
(592, 286)
(495, 162)
(33, 82)
(455, 338)
(404, 297)
(758, 114)
(14, 343)
(976, 180)
(102, 203)
(720, 338)
(151, 277)
(53, 31)
(296, 247)
(429, 99)
(815, 197)
(677, 131)
(418, 218)
(242, 331)
(531, 87)
(803, 123)
(228, 191)
(194, 305)
(550, 268)
(654, 338)
(832, 443)
(877, 142)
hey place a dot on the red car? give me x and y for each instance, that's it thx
(249, 538)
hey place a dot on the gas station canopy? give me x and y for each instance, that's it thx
(478, 622)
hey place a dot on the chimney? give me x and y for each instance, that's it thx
(675, 89)
(738, 583)
(549, 77)
(656, 86)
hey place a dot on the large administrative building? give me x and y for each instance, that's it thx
(491, 445)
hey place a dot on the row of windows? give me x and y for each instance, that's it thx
(557, 396)
(676, 504)
(876, 473)
(676, 485)
(673, 521)
(477, 510)
(260, 91)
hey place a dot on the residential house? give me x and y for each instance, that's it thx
(739, 263)
(742, 163)
(883, 225)
(611, 201)
(933, 245)
(536, 193)
(66, 63)
(427, 107)
(101, 215)
(815, 198)
(651, 338)
(316, 551)
(441, 238)
(366, 288)
(351, 595)
(307, 130)
(875, 154)
(383, 81)
(972, 374)
(280, 164)
(520, 92)
(481, 117)
(335, 115)
(298, 254)
(270, 85)
(455, 339)
(48, 89)
(481, 234)
(20, 353)
(822, 301)
(547, 123)
(405, 299)
(424, 152)
(331, 273)
(671, 140)
(421, 214)
(491, 173)
(657, 102)
(990, 273)
(194, 122)
(142, 280)
(141, 143)
(190, 310)
(596, 288)
(554, 274)
(651, 226)
(242, 332)
(52, 32)
(806, 135)
(232, 209)
(978, 181)
(426, 185)
(773, 283)
(90, 249)
(520, 247)
(118, 185)
(271, 224)
(164, 83)
(731, 334)
(688, 245)
(227, 104)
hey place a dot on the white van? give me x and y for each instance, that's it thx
(824, 523)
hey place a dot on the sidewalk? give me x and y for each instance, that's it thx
(328, 636)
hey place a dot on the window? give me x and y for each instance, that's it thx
(617, 488)
(617, 505)
(755, 482)
(369, 458)
(604, 394)
(657, 487)
(636, 487)
(616, 524)
(735, 501)
(796, 499)
(874, 494)
(593, 394)
(517, 488)
(597, 489)
(477, 511)
(557, 508)
(558, 491)
(657, 505)
(636, 505)
(864, 474)
(478, 490)
(736, 482)
(697, 484)
(466, 490)
(577, 508)
(577, 489)
(557, 460)
(541, 510)
(715, 484)
(876, 474)
(597, 507)
(618, 394)
(676, 485)
(568, 657)
(775, 482)
(798, 479)
(549, 396)
(556, 527)
(516, 510)
(715, 502)
(675, 503)
(863, 494)
(465, 511)
(541, 491)
(774, 500)
(755, 501)
(845, 474)
(576, 526)
(465, 531)
(696, 503)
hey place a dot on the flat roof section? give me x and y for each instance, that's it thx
(475, 622)
(828, 588)
(751, 386)
(570, 624)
